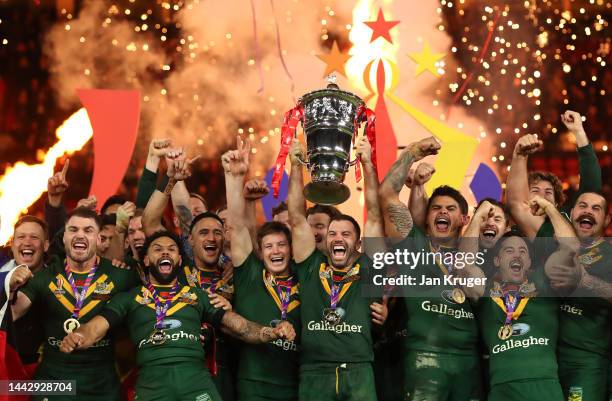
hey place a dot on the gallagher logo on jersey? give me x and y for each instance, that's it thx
(168, 324)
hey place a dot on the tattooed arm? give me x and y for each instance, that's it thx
(180, 204)
(595, 286)
(396, 215)
(253, 333)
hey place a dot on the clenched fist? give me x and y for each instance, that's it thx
(20, 276)
(424, 147)
(255, 189)
(285, 331)
(527, 144)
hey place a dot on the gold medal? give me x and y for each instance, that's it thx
(71, 325)
(505, 332)
(458, 295)
(158, 337)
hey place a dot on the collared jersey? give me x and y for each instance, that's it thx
(181, 325)
(350, 340)
(50, 290)
(277, 361)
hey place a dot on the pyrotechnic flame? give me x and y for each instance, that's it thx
(363, 52)
(22, 184)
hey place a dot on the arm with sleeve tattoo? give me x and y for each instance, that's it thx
(596, 286)
(396, 215)
(180, 204)
(253, 333)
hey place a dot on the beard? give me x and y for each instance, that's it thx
(162, 278)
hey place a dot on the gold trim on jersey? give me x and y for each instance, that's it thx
(88, 306)
(147, 300)
(519, 310)
(326, 272)
(272, 291)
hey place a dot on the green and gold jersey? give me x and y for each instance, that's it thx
(586, 323)
(181, 325)
(207, 280)
(435, 323)
(50, 291)
(529, 351)
(343, 336)
(256, 298)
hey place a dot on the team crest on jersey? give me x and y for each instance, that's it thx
(591, 257)
(188, 298)
(101, 292)
(102, 288)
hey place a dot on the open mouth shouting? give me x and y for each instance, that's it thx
(277, 260)
(516, 266)
(489, 232)
(27, 255)
(138, 245)
(586, 222)
(338, 250)
(210, 249)
(80, 246)
(442, 224)
(165, 265)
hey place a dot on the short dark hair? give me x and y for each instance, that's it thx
(33, 219)
(108, 220)
(205, 215)
(346, 217)
(536, 176)
(272, 227)
(113, 200)
(445, 190)
(278, 209)
(499, 204)
(599, 194)
(199, 197)
(160, 234)
(331, 211)
(497, 248)
(85, 213)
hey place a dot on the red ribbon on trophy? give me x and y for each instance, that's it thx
(290, 122)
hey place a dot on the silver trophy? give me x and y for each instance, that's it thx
(331, 118)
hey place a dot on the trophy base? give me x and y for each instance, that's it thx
(327, 192)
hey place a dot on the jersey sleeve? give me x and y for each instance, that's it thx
(35, 286)
(305, 269)
(118, 307)
(247, 272)
(590, 170)
(210, 314)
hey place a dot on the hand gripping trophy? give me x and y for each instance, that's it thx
(331, 118)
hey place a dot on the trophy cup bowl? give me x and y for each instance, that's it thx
(329, 127)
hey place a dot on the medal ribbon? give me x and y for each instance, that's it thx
(160, 311)
(290, 122)
(284, 296)
(79, 297)
(510, 303)
(209, 282)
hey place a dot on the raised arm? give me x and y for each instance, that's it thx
(86, 335)
(253, 191)
(590, 170)
(517, 190)
(158, 148)
(236, 164)
(468, 245)
(302, 238)
(55, 212)
(374, 223)
(564, 232)
(20, 303)
(180, 204)
(179, 168)
(397, 217)
(116, 250)
(253, 333)
(417, 202)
